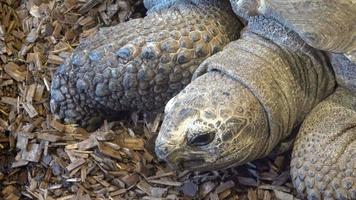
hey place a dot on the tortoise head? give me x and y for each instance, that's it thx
(215, 122)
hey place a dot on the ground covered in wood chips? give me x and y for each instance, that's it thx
(40, 158)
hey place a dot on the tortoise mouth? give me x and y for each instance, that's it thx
(186, 158)
(191, 164)
(181, 160)
(203, 165)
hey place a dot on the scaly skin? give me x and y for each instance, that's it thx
(264, 90)
(141, 64)
(323, 163)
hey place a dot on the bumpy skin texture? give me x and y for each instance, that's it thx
(324, 156)
(141, 64)
(287, 79)
(323, 24)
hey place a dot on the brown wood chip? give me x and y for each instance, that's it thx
(15, 71)
(107, 150)
(75, 164)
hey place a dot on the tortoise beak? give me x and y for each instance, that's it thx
(184, 157)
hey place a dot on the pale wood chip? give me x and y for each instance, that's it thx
(54, 59)
(87, 21)
(118, 192)
(89, 32)
(49, 137)
(31, 89)
(39, 92)
(84, 145)
(72, 129)
(8, 190)
(31, 111)
(131, 143)
(251, 194)
(35, 11)
(7, 83)
(47, 84)
(21, 142)
(77, 163)
(267, 195)
(101, 181)
(57, 125)
(15, 71)
(10, 101)
(32, 152)
(213, 196)
(89, 5)
(161, 175)
(104, 135)
(32, 36)
(225, 194)
(71, 155)
(145, 187)
(158, 192)
(25, 49)
(72, 196)
(156, 123)
(19, 163)
(57, 29)
(168, 183)
(83, 172)
(107, 150)
(36, 59)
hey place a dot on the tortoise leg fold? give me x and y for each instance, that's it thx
(324, 158)
(139, 65)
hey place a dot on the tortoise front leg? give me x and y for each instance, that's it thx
(140, 64)
(324, 158)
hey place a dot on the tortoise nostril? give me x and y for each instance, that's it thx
(201, 139)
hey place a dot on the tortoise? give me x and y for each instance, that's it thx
(233, 96)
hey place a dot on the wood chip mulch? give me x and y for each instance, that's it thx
(40, 158)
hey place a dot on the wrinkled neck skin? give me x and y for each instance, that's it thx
(212, 127)
(157, 5)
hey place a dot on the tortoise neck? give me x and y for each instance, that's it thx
(271, 29)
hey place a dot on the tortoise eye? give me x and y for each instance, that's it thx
(201, 139)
